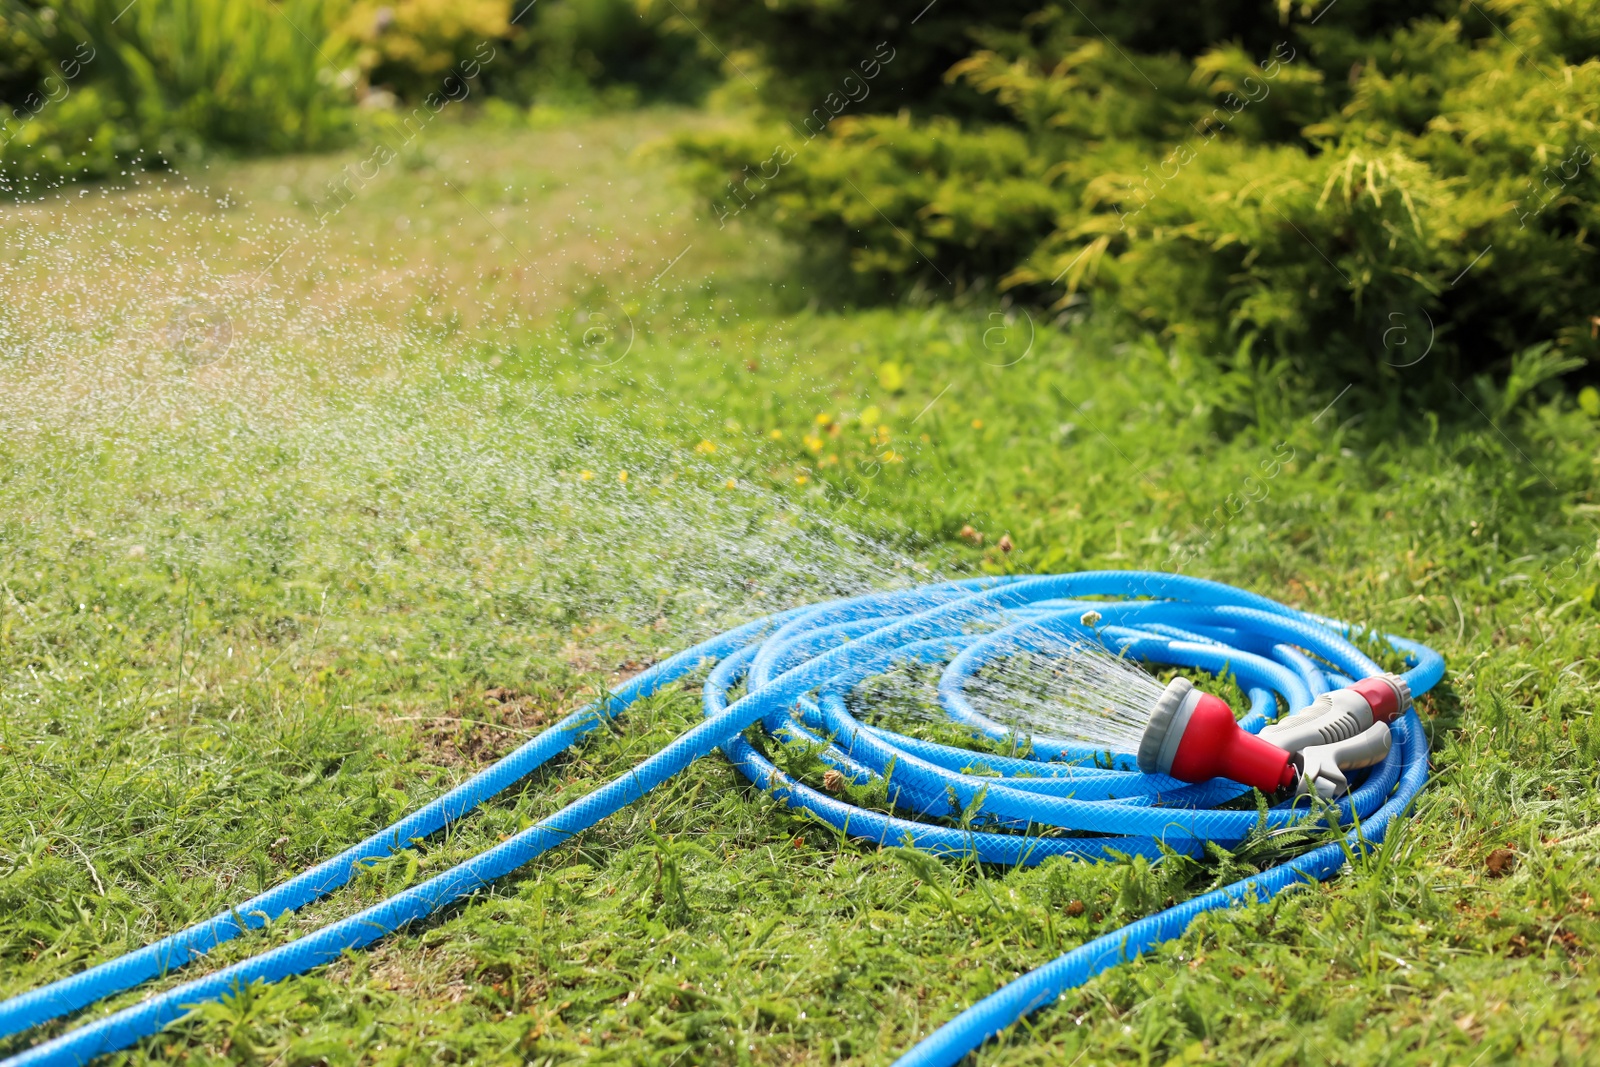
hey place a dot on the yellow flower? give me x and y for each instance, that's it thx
(977, 424)
(776, 435)
(587, 476)
(813, 442)
(800, 479)
(892, 456)
(622, 476)
(892, 376)
(883, 432)
(871, 416)
(823, 418)
(705, 448)
(731, 484)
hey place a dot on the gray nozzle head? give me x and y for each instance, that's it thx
(1155, 754)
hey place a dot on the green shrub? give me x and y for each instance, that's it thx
(798, 49)
(79, 137)
(615, 52)
(618, 51)
(411, 46)
(27, 33)
(974, 199)
(88, 87)
(1411, 206)
(93, 84)
(250, 75)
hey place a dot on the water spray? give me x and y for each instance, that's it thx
(1081, 690)
(1134, 768)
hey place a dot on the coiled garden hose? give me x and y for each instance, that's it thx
(796, 668)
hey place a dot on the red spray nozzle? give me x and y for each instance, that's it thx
(1193, 737)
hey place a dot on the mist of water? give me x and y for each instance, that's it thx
(1073, 690)
(169, 407)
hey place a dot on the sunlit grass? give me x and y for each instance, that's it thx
(250, 607)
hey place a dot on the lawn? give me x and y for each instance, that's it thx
(301, 523)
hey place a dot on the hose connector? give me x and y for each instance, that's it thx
(1388, 694)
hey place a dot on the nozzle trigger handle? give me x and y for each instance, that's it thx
(1343, 713)
(1323, 766)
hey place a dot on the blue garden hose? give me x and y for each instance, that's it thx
(796, 668)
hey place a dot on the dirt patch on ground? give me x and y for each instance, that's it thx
(482, 727)
(478, 734)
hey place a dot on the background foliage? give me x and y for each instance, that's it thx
(618, 52)
(1340, 194)
(91, 87)
(93, 84)
(1395, 195)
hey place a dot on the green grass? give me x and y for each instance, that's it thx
(249, 611)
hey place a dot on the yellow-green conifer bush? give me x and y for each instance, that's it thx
(1389, 203)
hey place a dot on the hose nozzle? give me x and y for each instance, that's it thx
(1192, 736)
(1342, 713)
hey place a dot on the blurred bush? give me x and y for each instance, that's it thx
(88, 87)
(614, 52)
(568, 52)
(94, 84)
(410, 46)
(798, 49)
(1357, 200)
